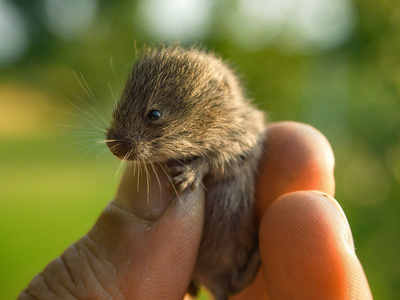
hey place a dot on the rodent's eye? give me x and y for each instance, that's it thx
(154, 115)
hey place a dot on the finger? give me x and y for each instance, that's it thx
(140, 248)
(307, 250)
(297, 157)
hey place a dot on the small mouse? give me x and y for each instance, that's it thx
(185, 108)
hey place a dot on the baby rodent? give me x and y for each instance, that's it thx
(186, 109)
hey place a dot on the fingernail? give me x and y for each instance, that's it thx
(145, 194)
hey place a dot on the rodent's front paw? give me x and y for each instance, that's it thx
(185, 175)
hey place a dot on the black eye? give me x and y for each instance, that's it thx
(154, 115)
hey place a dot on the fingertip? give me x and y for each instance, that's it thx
(297, 157)
(307, 251)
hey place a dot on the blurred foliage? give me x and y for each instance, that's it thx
(50, 194)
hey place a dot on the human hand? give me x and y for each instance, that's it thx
(306, 245)
(144, 246)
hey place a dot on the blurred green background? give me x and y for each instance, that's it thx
(332, 64)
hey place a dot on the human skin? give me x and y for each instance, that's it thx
(144, 245)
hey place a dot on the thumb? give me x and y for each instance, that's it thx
(143, 246)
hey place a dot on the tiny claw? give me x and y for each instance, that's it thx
(181, 187)
(176, 170)
(195, 185)
(185, 175)
(180, 183)
(178, 179)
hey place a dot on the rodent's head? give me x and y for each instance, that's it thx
(177, 104)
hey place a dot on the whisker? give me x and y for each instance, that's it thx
(135, 172)
(157, 177)
(82, 135)
(93, 132)
(71, 126)
(202, 184)
(136, 50)
(148, 181)
(102, 153)
(104, 118)
(112, 93)
(107, 141)
(82, 110)
(139, 165)
(82, 86)
(100, 129)
(71, 114)
(169, 178)
(99, 152)
(88, 147)
(90, 90)
(122, 162)
(95, 118)
(113, 147)
(112, 67)
(132, 166)
(80, 142)
(80, 117)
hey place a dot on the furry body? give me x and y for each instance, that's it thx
(186, 109)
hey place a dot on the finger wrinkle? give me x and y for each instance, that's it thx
(90, 259)
(41, 288)
(48, 285)
(68, 270)
(25, 295)
(71, 262)
(67, 282)
(94, 248)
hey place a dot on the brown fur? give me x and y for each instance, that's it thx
(209, 134)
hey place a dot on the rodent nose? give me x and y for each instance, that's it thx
(120, 149)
